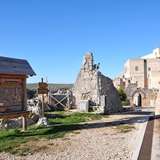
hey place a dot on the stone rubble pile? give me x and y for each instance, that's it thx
(36, 113)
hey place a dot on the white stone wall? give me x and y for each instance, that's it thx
(146, 77)
(154, 54)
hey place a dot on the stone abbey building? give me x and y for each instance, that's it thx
(141, 79)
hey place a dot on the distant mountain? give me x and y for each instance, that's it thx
(51, 86)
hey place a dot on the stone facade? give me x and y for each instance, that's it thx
(144, 73)
(92, 84)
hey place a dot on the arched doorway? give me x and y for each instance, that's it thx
(139, 98)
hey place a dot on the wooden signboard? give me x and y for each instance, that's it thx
(43, 90)
(10, 94)
(43, 85)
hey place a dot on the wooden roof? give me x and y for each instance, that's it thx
(15, 66)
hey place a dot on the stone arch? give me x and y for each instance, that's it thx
(138, 96)
(143, 95)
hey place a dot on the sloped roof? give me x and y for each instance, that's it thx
(15, 66)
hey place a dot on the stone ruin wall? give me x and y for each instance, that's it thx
(148, 95)
(92, 84)
(107, 88)
(85, 87)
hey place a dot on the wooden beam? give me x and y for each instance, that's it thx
(14, 114)
(62, 99)
(12, 76)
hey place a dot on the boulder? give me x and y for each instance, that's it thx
(43, 121)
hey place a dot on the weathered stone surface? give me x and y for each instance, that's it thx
(92, 84)
(43, 121)
(35, 118)
(35, 109)
(2, 124)
(17, 122)
(38, 108)
(147, 97)
(13, 123)
(6, 124)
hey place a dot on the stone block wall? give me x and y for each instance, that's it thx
(112, 97)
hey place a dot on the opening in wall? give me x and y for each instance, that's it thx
(136, 68)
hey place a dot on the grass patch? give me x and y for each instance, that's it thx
(125, 103)
(65, 139)
(76, 132)
(51, 144)
(124, 128)
(61, 124)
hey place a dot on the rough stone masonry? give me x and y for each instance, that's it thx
(92, 85)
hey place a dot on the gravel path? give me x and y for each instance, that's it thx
(97, 140)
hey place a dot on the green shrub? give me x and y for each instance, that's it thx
(125, 103)
(31, 93)
(122, 94)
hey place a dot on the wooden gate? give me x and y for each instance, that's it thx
(59, 100)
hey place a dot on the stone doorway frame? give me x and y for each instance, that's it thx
(140, 96)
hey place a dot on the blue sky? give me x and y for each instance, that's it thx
(54, 35)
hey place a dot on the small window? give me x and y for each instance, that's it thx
(149, 68)
(137, 83)
(136, 68)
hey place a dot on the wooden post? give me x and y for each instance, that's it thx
(24, 123)
(69, 106)
(48, 95)
(24, 104)
(42, 101)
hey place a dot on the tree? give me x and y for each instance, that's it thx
(122, 94)
(31, 93)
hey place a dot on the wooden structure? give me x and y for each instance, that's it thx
(13, 98)
(43, 89)
(59, 98)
